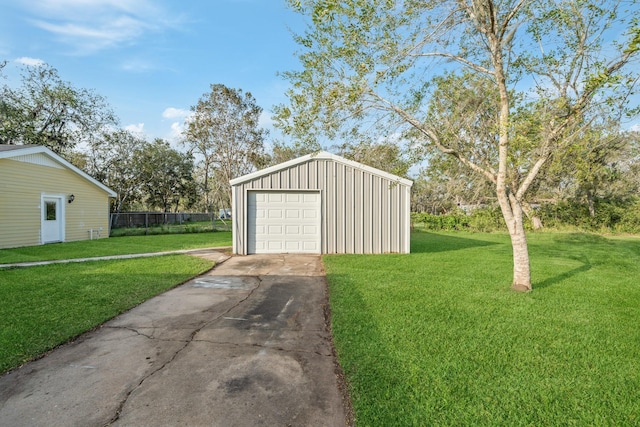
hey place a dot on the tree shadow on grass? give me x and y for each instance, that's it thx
(586, 266)
(425, 242)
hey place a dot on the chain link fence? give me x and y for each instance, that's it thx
(136, 223)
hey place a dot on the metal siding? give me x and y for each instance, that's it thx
(376, 224)
(350, 195)
(323, 184)
(384, 221)
(406, 226)
(361, 212)
(367, 207)
(356, 212)
(332, 214)
(395, 203)
(339, 200)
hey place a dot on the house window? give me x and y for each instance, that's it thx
(51, 211)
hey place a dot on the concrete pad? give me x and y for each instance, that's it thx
(272, 265)
(245, 344)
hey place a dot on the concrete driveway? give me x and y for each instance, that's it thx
(243, 345)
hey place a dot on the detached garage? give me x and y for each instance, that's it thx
(321, 204)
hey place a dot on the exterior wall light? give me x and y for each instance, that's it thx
(71, 198)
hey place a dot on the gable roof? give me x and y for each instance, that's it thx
(14, 151)
(322, 155)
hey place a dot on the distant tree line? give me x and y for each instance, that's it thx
(222, 140)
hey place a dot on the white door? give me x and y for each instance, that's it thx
(283, 222)
(52, 219)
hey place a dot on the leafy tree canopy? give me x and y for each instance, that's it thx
(224, 132)
(46, 110)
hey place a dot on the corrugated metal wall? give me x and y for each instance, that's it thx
(362, 212)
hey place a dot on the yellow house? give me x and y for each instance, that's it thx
(45, 199)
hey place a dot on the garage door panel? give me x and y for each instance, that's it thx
(309, 246)
(310, 230)
(310, 197)
(274, 245)
(275, 230)
(287, 222)
(292, 246)
(308, 213)
(293, 229)
(292, 213)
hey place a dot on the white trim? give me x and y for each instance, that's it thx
(322, 155)
(407, 224)
(234, 219)
(36, 149)
(62, 229)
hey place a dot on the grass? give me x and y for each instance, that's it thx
(115, 246)
(42, 307)
(186, 227)
(438, 338)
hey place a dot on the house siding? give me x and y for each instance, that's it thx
(22, 184)
(362, 212)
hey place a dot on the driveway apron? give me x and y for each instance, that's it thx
(244, 345)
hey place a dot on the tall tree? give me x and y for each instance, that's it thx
(224, 132)
(166, 176)
(46, 110)
(368, 66)
(111, 159)
(282, 152)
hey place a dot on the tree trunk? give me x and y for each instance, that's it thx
(521, 266)
(513, 216)
(592, 207)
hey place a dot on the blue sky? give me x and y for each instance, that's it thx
(152, 60)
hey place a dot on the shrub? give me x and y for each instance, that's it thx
(610, 216)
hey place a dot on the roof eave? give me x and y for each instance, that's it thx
(37, 149)
(319, 155)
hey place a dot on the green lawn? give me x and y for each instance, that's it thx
(184, 228)
(115, 246)
(438, 338)
(42, 307)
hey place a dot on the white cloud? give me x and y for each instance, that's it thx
(93, 25)
(176, 130)
(133, 128)
(33, 62)
(635, 128)
(265, 120)
(88, 38)
(137, 65)
(175, 113)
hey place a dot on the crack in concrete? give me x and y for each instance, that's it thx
(127, 328)
(137, 332)
(284, 350)
(175, 355)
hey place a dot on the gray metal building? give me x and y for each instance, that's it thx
(320, 203)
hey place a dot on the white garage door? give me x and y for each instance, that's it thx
(283, 222)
